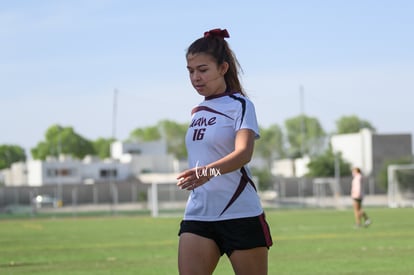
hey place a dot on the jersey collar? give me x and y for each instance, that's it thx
(226, 93)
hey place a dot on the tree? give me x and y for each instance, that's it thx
(62, 140)
(145, 134)
(102, 147)
(270, 145)
(265, 178)
(10, 154)
(352, 124)
(172, 132)
(305, 135)
(324, 165)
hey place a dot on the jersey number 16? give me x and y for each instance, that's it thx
(199, 134)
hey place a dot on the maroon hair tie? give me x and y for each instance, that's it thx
(217, 33)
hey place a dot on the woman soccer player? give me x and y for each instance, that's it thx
(223, 212)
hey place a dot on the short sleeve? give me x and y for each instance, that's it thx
(246, 118)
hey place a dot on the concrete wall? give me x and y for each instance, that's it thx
(370, 151)
(390, 147)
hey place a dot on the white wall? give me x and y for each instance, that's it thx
(19, 173)
(152, 157)
(291, 167)
(151, 163)
(284, 168)
(301, 166)
(118, 148)
(34, 173)
(356, 148)
(93, 171)
(52, 171)
(367, 151)
(16, 175)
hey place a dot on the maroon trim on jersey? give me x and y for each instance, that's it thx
(266, 230)
(243, 103)
(207, 109)
(242, 184)
(226, 93)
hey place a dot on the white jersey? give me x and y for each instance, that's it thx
(210, 137)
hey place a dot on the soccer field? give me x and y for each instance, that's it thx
(305, 242)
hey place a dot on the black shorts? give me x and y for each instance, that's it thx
(358, 200)
(234, 234)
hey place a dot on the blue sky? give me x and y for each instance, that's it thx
(60, 62)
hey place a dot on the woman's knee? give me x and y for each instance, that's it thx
(197, 255)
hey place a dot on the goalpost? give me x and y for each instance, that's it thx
(400, 185)
(327, 190)
(163, 184)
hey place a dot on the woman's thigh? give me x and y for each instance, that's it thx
(197, 255)
(250, 261)
(357, 205)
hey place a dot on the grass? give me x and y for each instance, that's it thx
(305, 242)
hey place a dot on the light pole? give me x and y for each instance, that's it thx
(112, 172)
(59, 168)
(302, 137)
(114, 110)
(302, 121)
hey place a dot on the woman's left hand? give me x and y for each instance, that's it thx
(191, 179)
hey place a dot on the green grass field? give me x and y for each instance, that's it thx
(305, 242)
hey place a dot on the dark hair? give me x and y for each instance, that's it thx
(219, 49)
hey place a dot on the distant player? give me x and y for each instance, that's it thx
(357, 194)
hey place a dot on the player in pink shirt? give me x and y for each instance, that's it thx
(357, 194)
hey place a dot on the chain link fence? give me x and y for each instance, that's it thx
(134, 195)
